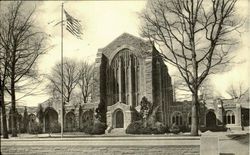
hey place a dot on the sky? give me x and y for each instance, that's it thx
(102, 22)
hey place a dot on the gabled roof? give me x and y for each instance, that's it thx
(142, 46)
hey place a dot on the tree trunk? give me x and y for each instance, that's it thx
(5, 131)
(13, 106)
(195, 116)
(85, 99)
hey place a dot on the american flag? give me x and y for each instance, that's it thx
(73, 25)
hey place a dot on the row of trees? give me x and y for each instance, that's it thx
(235, 90)
(77, 81)
(21, 44)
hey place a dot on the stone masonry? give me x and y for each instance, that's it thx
(128, 69)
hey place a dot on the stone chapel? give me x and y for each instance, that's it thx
(128, 69)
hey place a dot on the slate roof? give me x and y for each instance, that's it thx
(143, 47)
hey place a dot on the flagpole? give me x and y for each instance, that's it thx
(62, 114)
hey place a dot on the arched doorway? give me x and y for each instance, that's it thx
(31, 123)
(70, 121)
(51, 119)
(119, 119)
(210, 119)
(87, 119)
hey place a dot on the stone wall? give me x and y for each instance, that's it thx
(161, 87)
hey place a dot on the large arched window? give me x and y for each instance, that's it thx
(177, 118)
(230, 117)
(124, 78)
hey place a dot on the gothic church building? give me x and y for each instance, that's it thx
(128, 69)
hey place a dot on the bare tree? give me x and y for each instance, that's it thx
(237, 91)
(182, 92)
(23, 44)
(70, 79)
(207, 91)
(193, 35)
(86, 79)
(180, 89)
(3, 77)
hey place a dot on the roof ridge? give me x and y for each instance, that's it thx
(123, 34)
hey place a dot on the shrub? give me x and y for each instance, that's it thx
(138, 128)
(161, 128)
(23, 130)
(35, 128)
(146, 130)
(174, 129)
(56, 128)
(214, 129)
(184, 129)
(203, 129)
(98, 127)
(87, 127)
(101, 111)
(134, 127)
(95, 127)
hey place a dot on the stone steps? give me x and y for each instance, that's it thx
(117, 131)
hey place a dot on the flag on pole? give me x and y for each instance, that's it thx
(73, 25)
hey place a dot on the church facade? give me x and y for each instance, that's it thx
(128, 69)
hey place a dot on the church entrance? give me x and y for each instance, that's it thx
(119, 120)
(210, 119)
(119, 116)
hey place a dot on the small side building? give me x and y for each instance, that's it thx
(214, 114)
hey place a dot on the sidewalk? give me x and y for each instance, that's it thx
(83, 135)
